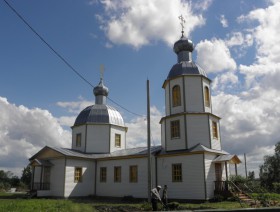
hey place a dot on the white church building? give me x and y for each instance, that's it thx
(190, 159)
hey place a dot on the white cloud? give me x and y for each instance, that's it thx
(223, 21)
(238, 39)
(266, 36)
(137, 130)
(250, 121)
(25, 131)
(225, 81)
(214, 56)
(75, 106)
(139, 23)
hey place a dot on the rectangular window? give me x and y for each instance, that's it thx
(117, 140)
(214, 129)
(133, 174)
(175, 129)
(117, 174)
(78, 139)
(177, 172)
(78, 174)
(103, 174)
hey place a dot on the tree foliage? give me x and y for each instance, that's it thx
(26, 175)
(270, 170)
(9, 180)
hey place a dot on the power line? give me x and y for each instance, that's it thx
(61, 57)
(136, 114)
(50, 47)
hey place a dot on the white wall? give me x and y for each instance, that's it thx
(210, 175)
(194, 94)
(84, 188)
(173, 82)
(198, 130)
(215, 142)
(117, 130)
(75, 131)
(206, 82)
(37, 174)
(123, 188)
(192, 185)
(98, 137)
(57, 177)
(175, 143)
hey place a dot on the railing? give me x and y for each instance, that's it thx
(41, 186)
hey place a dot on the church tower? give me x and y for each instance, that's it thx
(99, 128)
(189, 119)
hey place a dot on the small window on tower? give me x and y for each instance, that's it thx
(206, 96)
(214, 129)
(175, 129)
(117, 140)
(176, 96)
(78, 139)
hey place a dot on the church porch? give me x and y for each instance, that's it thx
(222, 164)
(41, 170)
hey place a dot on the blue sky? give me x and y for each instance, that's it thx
(40, 96)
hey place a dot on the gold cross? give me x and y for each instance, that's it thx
(101, 71)
(182, 23)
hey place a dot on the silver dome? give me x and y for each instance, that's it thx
(97, 113)
(185, 68)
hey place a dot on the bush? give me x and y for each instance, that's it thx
(173, 206)
(146, 206)
(217, 198)
(276, 187)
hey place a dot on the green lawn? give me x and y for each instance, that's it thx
(18, 203)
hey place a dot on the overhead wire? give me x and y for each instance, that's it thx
(61, 57)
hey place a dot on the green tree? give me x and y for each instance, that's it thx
(270, 170)
(251, 175)
(26, 175)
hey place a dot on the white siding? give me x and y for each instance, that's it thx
(198, 130)
(75, 131)
(207, 83)
(176, 143)
(210, 174)
(179, 82)
(194, 95)
(37, 174)
(192, 185)
(163, 138)
(98, 138)
(215, 142)
(57, 177)
(121, 131)
(123, 188)
(167, 99)
(84, 188)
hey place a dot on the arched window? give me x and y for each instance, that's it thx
(176, 96)
(206, 96)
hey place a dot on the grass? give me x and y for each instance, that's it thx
(18, 203)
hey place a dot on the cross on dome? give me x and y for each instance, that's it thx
(183, 21)
(101, 71)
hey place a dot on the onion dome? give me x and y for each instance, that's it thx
(185, 66)
(101, 89)
(183, 44)
(100, 113)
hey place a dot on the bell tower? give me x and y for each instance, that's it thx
(189, 120)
